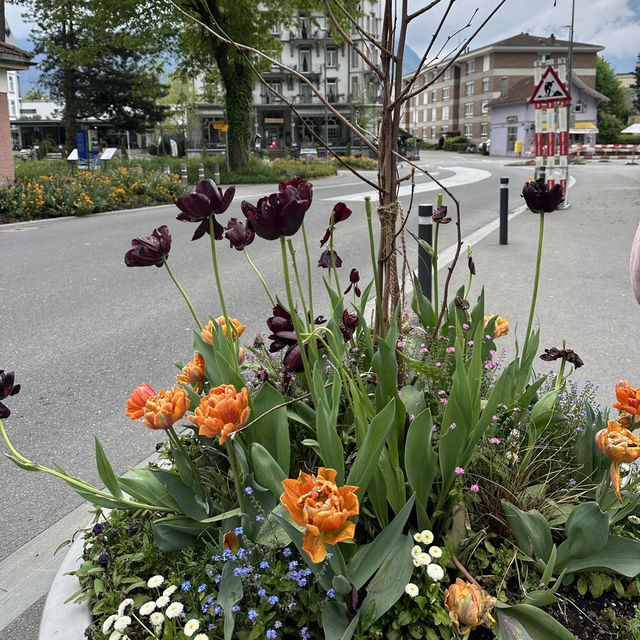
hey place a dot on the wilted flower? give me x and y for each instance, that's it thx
(148, 251)
(440, 215)
(238, 234)
(628, 400)
(568, 354)
(472, 265)
(292, 360)
(325, 259)
(340, 212)
(222, 412)
(282, 330)
(193, 373)
(461, 303)
(468, 606)
(354, 278)
(540, 198)
(138, 399)
(501, 326)
(348, 324)
(207, 200)
(207, 330)
(280, 214)
(620, 445)
(319, 505)
(165, 408)
(7, 388)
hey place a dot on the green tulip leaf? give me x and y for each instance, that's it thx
(268, 472)
(620, 555)
(531, 530)
(105, 471)
(526, 622)
(230, 594)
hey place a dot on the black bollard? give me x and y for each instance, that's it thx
(425, 232)
(504, 210)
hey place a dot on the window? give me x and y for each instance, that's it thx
(445, 93)
(433, 132)
(268, 97)
(543, 57)
(332, 90)
(305, 93)
(512, 135)
(471, 66)
(434, 95)
(355, 89)
(305, 60)
(12, 109)
(305, 28)
(355, 59)
(468, 88)
(486, 62)
(434, 114)
(445, 113)
(468, 109)
(11, 87)
(447, 74)
(504, 86)
(485, 85)
(333, 130)
(468, 130)
(484, 129)
(577, 107)
(332, 57)
(275, 29)
(485, 106)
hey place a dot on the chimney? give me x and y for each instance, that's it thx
(552, 38)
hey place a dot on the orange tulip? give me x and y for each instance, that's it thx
(231, 542)
(501, 326)
(222, 412)
(193, 373)
(137, 400)
(316, 503)
(207, 331)
(468, 606)
(628, 400)
(165, 408)
(620, 445)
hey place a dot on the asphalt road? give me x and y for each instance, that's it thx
(81, 330)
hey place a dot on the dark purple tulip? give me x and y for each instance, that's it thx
(293, 359)
(282, 332)
(302, 186)
(348, 324)
(567, 354)
(207, 200)
(354, 278)
(280, 214)
(7, 388)
(540, 198)
(148, 251)
(238, 234)
(340, 212)
(325, 259)
(440, 215)
(472, 266)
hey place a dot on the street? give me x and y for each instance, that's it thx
(81, 330)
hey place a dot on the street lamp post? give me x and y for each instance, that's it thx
(569, 67)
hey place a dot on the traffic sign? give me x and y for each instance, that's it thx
(220, 124)
(549, 89)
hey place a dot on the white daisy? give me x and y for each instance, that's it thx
(426, 537)
(122, 623)
(128, 602)
(174, 609)
(147, 608)
(169, 591)
(156, 618)
(435, 552)
(423, 559)
(435, 571)
(155, 581)
(416, 550)
(411, 590)
(106, 625)
(634, 519)
(162, 601)
(115, 635)
(191, 627)
(416, 563)
(417, 537)
(201, 636)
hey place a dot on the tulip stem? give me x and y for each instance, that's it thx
(535, 282)
(310, 286)
(464, 571)
(560, 377)
(178, 446)
(264, 284)
(294, 316)
(235, 472)
(301, 292)
(434, 268)
(184, 295)
(372, 251)
(333, 257)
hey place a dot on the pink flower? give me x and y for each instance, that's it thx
(450, 349)
(475, 488)
(459, 471)
(424, 350)
(444, 400)
(438, 364)
(465, 326)
(452, 425)
(400, 344)
(470, 343)
(441, 392)
(495, 441)
(494, 417)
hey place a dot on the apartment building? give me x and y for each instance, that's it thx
(457, 101)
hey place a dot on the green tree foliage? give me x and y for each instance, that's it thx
(98, 59)
(636, 86)
(612, 115)
(35, 94)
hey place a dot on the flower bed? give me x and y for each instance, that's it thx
(347, 481)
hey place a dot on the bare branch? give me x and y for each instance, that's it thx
(351, 43)
(419, 12)
(360, 30)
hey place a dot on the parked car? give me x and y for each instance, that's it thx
(485, 147)
(308, 151)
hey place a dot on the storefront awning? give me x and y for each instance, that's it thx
(583, 127)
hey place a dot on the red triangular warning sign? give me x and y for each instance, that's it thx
(550, 88)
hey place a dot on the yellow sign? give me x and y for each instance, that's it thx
(220, 124)
(517, 146)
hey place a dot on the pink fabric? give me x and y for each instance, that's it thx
(634, 265)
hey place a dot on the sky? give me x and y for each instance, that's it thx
(614, 24)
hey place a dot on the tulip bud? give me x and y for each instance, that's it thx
(468, 606)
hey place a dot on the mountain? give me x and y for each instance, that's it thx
(411, 60)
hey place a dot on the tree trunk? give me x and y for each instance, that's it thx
(238, 82)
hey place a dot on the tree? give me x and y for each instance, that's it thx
(636, 86)
(35, 94)
(612, 115)
(98, 59)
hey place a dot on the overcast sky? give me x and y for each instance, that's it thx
(614, 24)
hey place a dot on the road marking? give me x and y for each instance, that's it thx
(462, 176)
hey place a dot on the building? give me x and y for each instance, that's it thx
(457, 97)
(628, 83)
(335, 70)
